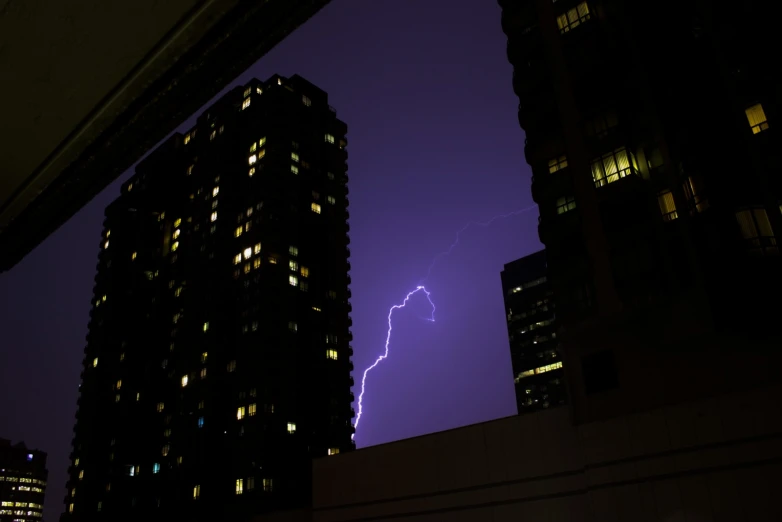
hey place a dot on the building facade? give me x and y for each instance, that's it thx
(22, 482)
(532, 333)
(650, 131)
(217, 362)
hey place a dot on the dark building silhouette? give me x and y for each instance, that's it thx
(22, 482)
(532, 332)
(217, 362)
(650, 130)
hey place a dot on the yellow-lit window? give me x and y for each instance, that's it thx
(331, 354)
(239, 486)
(316, 309)
(106, 244)
(204, 356)
(246, 268)
(160, 406)
(252, 159)
(293, 280)
(306, 101)
(70, 507)
(203, 373)
(573, 17)
(245, 103)
(240, 413)
(206, 326)
(95, 362)
(329, 138)
(212, 135)
(565, 204)
(133, 256)
(178, 291)
(253, 147)
(177, 222)
(76, 461)
(333, 451)
(292, 326)
(292, 250)
(176, 234)
(213, 217)
(174, 246)
(257, 249)
(261, 153)
(667, 205)
(237, 259)
(331, 200)
(166, 449)
(250, 483)
(81, 474)
(215, 191)
(184, 381)
(196, 492)
(251, 172)
(293, 265)
(251, 410)
(256, 262)
(291, 427)
(556, 164)
(247, 252)
(294, 157)
(315, 208)
(190, 169)
(613, 166)
(756, 230)
(757, 118)
(267, 484)
(248, 91)
(116, 398)
(294, 169)
(259, 90)
(119, 384)
(305, 272)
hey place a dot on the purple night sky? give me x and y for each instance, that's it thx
(425, 88)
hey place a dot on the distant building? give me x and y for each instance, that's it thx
(218, 360)
(653, 135)
(532, 332)
(22, 482)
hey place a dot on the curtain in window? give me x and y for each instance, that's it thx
(667, 205)
(757, 118)
(583, 11)
(747, 226)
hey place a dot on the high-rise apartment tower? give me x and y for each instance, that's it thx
(653, 136)
(22, 482)
(218, 360)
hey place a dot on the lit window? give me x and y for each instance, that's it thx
(240, 413)
(294, 169)
(293, 265)
(251, 410)
(279, 81)
(204, 356)
(695, 200)
(247, 252)
(176, 234)
(291, 427)
(305, 272)
(272, 260)
(252, 159)
(573, 17)
(262, 141)
(259, 90)
(119, 384)
(251, 171)
(256, 262)
(292, 250)
(200, 405)
(200, 422)
(757, 118)
(331, 354)
(239, 486)
(190, 169)
(315, 208)
(238, 231)
(237, 258)
(203, 373)
(667, 205)
(292, 326)
(196, 492)
(557, 164)
(213, 217)
(95, 362)
(565, 204)
(106, 244)
(212, 135)
(306, 101)
(316, 309)
(331, 200)
(253, 147)
(215, 191)
(542, 369)
(206, 326)
(267, 484)
(116, 398)
(247, 92)
(613, 166)
(133, 256)
(81, 474)
(329, 138)
(174, 246)
(160, 406)
(231, 367)
(293, 280)
(184, 381)
(294, 156)
(333, 451)
(250, 483)
(155, 468)
(756, 230)
(245, 103)
(165, 450)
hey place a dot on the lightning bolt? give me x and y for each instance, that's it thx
(421, 288)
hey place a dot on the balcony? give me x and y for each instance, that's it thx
(613, 166)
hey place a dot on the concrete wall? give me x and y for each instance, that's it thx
(713, 460)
